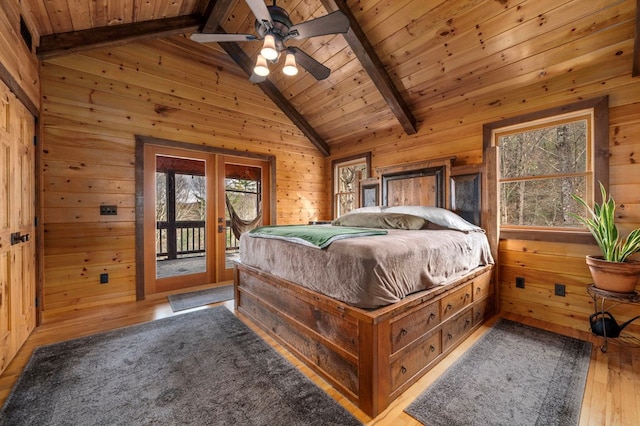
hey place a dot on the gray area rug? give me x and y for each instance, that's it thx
(198, 368)
(193, 299)
(513, 375)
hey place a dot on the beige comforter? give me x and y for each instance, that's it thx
(373, 271)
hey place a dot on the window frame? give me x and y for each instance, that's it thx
(599, 159)
(340, 162)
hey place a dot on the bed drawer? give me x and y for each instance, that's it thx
(416, 324)
(455, 329)
(482, 310)
(481, 286)
(414, 361)
(454, 302)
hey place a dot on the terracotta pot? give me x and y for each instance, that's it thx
(619, 277)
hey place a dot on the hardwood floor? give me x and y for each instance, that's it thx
(612, 395)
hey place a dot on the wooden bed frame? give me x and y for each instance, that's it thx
(370, 356)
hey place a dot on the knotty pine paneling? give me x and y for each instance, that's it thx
(15, 56)
(61, 16)
(93, 105)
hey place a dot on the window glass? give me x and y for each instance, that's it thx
(540, 166)
(347, 176)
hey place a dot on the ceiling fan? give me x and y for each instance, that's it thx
(274, 27)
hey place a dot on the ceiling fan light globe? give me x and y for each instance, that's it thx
(290, 67)
(261, 68)
(269, 51)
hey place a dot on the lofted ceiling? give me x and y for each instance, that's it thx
(398, 61)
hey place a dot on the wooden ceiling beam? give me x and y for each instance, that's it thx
(367, 56)
(76, 41)
(214, 14)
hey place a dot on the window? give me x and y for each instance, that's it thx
(540, 166)
(347, 173)
(542, 159)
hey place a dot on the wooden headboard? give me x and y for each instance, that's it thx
(416, 184)
(428, 183)
(423, 187)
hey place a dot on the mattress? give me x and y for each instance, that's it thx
(372, 271)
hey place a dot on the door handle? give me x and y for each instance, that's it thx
(220, 229)
(16, 238)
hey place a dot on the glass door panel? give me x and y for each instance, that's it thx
(243, 186)
(177, 250)
(180, 216)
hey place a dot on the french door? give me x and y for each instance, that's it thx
(17, 227)
(189, 214)
(244, 186)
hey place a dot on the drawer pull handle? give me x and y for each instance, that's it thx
(432, 348)
(467, 295)
(466, 323)
(478, 290)
(449, 306)
(432, 316)
(403, 332)
(403, 369)
(450, 336)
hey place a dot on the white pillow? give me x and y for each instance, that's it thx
(437, 215)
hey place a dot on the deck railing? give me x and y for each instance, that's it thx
(186, 238)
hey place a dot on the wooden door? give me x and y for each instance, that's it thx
(17, 228)
(177, 222)
(243, 190)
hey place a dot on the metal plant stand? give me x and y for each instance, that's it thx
(603, 295)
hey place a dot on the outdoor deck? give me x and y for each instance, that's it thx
(189, 265)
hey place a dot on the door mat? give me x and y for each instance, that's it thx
(194, 299)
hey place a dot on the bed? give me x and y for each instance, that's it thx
(373, 342)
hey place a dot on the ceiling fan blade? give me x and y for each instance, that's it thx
(220, 38)
(260, 11)
(255, 78)
(315, 68)
(333, 23)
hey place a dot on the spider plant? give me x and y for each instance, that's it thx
(600, 222)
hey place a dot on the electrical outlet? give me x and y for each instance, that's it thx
(108, 210)
(519, 282)
(559, 290)
(104, 278)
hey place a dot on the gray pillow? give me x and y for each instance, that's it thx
(381, 221)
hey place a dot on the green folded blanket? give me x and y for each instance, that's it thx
(318, 236)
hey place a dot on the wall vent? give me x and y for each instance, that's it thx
(26, 34)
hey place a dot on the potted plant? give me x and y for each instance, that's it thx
(613, 271)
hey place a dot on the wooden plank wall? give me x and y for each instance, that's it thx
(94, 104)
(584, 57)
(15, 56)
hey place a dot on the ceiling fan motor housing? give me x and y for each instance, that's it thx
(281, 23)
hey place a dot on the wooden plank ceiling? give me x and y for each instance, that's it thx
(398, 61)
